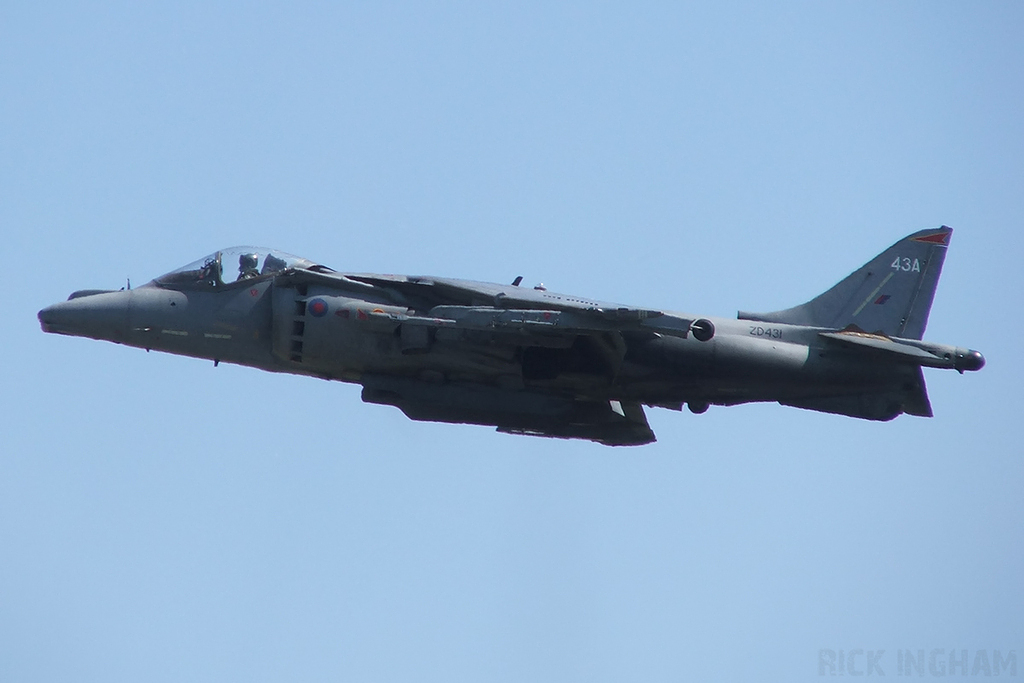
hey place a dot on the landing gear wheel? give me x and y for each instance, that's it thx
(697, 407)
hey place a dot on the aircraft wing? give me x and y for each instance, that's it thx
(532, 321)
(482, 306)
(612, 423)
(449, 291)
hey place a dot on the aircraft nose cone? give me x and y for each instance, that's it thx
(46, 319)
(972, 360)
(99, 316)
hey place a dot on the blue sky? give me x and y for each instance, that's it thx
(163, 520)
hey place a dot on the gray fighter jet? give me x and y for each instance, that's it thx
(530, 361)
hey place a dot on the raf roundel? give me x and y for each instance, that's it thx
(318, 308)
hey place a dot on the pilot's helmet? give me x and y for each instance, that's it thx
(248, 261)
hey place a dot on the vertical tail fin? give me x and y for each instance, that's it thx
(891, 294)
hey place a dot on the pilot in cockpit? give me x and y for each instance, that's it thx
(247, 266)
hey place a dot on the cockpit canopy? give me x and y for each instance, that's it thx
(219, 269)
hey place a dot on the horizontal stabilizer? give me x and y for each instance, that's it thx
(883, 406)
(893, 349)
(908, 351)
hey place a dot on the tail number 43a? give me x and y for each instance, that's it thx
(907, 265)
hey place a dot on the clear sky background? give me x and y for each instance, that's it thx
(162, 520)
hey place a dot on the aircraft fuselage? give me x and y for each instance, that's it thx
(525, 360)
